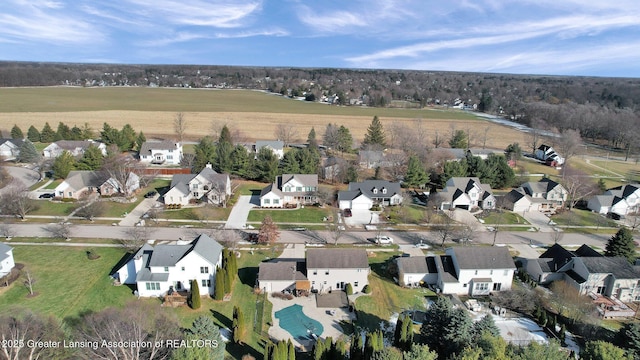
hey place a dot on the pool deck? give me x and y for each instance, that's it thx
(309, 308)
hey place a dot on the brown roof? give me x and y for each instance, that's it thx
(337, 259)
(303, 285)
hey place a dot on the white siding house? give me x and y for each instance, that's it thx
(157, 269)
(74, 147)
(208, 186)
(333, 269)
(6, 260)
(290, 189)
(10, 148)
(276, 146)
(363, 195)
(161, 152)
(466, 193)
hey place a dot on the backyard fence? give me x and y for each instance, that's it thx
(258, 322)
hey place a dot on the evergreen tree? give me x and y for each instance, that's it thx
(141, 139)
(205, 153)
(308, 161)
(387, 353)
(127, 138)
(33, 134)
(289, 163)
(602, 350)
(292, 350)
(239, 161)
(64, 132)
(218, 293)
(352, 174)
(228, 280)
(458, 140)
(420, 352)
(500, 174)
(340, 349)
(238, 325)
(348, 289)
(92, 159)
(485, 324)
(28, 153)
(356, 351)
(267, 165)
(108, 135)
(47, 134)
(416, 175)
(375, 135)
(311, 139)
(622, 244)
(345, 140)
(16, 132)
(223, 151)
(195, 295)
(536, 351)
(436, 320)
(76, 133)
(63, 164)
(458, 333)
(87, 132)
(267, 353)
(452, 169)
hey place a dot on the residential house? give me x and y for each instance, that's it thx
(74, 147)
(276, 146)
(466, 193)
(363, 195)
(10, 148)
(333, 269)
(612, 277)
(331, 168)
(484, 153)
(6, 260)
(545, 195)
(161, 152)
(417, 270)
(159, 269)
(84, 182)
(546, 268)
(371, 159)
(547, 154)
(285, 275)
(208, 186)
(290, 190)
(621, 200)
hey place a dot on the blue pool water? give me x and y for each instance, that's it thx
(296, 323)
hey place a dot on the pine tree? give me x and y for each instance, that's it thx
(76, 133)
(63, 164)
(205, 153)
(622, 244)
(195, 295)
(289, 163)
(356, 352)
(28, 153)
(227, 280)
(47, 134)
(64, 132)
(375, 135)
(291, 350)
(267, 353)
(312, 141)
(141, 139)
(92, 159)
(33, 134)
(267, 165)
(416, 174)
(16, 132)
(345, 140)
(485, 324)
(238, 325)
(218, 293)
(458, 140)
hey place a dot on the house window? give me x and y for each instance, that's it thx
(153, 286)
(287, 188)
(313, 283)
(601, 289)
(276, 201)
(506, 273)
(204, 269)
(476, 272)
(194, 186)
(326, 272)
(384, 190)
(206, 283)
(267, 201)
(497, 286)
(482, 286)
(355, 283)
(196, 195)
(70, 194)
(315, 272)
(298, 188)
(169, 157)
(183, 268)
(375, 191)
(464, 285)
(166, 269)
(325, 283)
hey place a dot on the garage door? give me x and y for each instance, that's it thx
(360, 206)
(345, 204)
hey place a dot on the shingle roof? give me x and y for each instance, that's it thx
(149, 146)
(16, 142)
(306, 179)
(78, 179)
(483, 257)
(274, 144)
(4, 251)
(169, 255)
(413, 265)
(337, 259)
(281, 270)
(74, 144)
(367, 186)
(587, 251)
(617, 266)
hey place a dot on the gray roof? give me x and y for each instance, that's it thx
(367, 187)
(348, 195)
(281, 270)
(146, 275)
(79, 179)
(181, 179)
(337, 259)
(74, 144)
(269, 188)
(617, 266)
(624, 190)
(454, 153)
(274, 144)
(4, 251)
(306, 179)
(148, 146)
(413, 265)
(16, 142)
(444, 264)
(169, 255)
(495, 257)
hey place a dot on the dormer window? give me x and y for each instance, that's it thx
(384, 190)
(375, 191)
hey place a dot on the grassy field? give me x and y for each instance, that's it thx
(309, 214)
(67, 282)
(197, 214)
(578, 217)
(253, 114)
(386, 297)
(508, 218)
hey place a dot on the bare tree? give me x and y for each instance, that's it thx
(23, 326)
(336, 228)
(557, 235)
(437, 139)
(570, 303)
(578, 184)
(467, 232)
(89, 208)
(569, 145)
(15, 201)
(6, 230)
(29, 280)
(60, 230)
(445, 228)
(122, 170)
(268, 233)
(485, 136)
(136, 237)
(397, 165)
(180, 126)
(287, 133)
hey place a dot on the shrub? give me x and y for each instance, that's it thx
(195, 295)
(366, 289)
(348, 289)
(91, 255)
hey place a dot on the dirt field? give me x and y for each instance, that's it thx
(250, 126)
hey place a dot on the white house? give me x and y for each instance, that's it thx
(333, 269)
(276, 146)
(207, 185)
(10, 148)
(466, 193)
(161, 152)
(290, 190)
(74, 147)
(157, 269)
(277, 276)
(84, 182)
(548, 155)
(417, 270)
(546, 268)
(621, 200)
(363, 195)
(545, 195)
(6, 260)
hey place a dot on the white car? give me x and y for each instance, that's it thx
(423, 246)
(382, 239)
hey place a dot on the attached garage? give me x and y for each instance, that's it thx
(277, 276)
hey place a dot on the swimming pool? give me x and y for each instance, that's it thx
(299, 325)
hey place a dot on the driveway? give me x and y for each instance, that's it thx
(539, 220)
(465, 217)
(22, 176)
(132, 218)
(361, 217)
(240, 212)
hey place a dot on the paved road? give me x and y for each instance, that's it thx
(22, 176)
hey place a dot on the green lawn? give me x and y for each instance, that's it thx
(578, 217)
(67, 282)
(56, 99)
(52, 208)
(197, 214)
(506, 217)
(387, 297)
(406, 214)
(54, 184)
(309, 214)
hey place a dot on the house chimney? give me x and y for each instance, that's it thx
(208, 165)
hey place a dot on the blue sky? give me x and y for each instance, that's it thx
(556, 37)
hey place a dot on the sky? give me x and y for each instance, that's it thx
(546, 37)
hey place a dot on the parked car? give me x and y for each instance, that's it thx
(46, 196)
(423, 246)
(150, 194)
(347, 213)
(383, 239)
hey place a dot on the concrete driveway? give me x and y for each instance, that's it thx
(539, 220)
(22, 176)
(240, 212)
(361, 218)
(465, 217)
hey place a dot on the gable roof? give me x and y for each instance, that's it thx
(366, 187)
(617, 266)
(148, 146)
(274, 144)
(78, 179)
(75, 144)
(169, 255)
(414, 265)
(281, 270)
(337, 259)
(495, 257)
(306, 179)
(16, 142)
(4, 251)
(587, 251)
